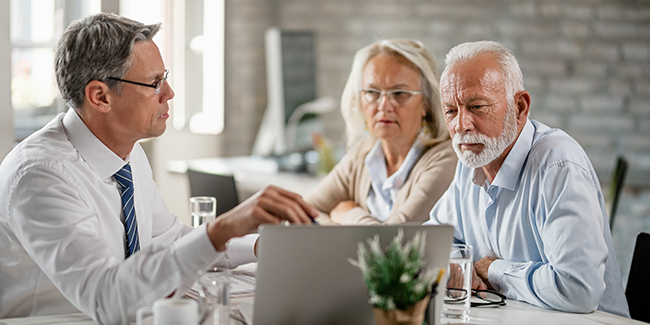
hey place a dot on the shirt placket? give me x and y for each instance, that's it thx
(490, 217)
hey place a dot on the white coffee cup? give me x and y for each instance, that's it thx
(170, 312)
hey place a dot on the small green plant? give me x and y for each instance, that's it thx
(395, 278)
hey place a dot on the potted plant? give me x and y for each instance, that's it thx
(396, 278)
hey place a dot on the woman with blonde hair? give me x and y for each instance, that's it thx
(399, 159)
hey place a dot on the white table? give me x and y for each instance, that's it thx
(516, 312)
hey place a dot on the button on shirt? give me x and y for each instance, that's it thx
(62, 236)
(544, 218)
(383, 189)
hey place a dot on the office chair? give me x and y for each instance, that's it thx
(638, 282)
(615, 188)
(222, 187)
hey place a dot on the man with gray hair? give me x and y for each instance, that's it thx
(82, 224)
(524, 196)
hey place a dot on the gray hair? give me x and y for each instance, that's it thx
(417, 54)
(514, 80)
(96, 48)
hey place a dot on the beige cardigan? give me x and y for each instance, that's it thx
(350, 180)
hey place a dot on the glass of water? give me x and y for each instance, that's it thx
(456, 302)
(202, 209)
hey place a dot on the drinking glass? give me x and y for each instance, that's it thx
(458, 293)
(202, 209)
(214, 297)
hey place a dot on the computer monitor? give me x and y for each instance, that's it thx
(291, 82)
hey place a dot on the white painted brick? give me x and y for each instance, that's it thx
(554, 49)
(533, 83)
(590, 69)
(552, 120)
(550, 9)
(618, 11)
(546, 67)
(642, 86)
(640, 70)
(636, 143)
(441, 27)
(525, 28)
(640, 106)
(576, 11)
(644, 126)
(563, 104)
(589, 141)
(523, 9)
(389, 10)
(614, 30)
(602, 103)
(588, 123)
(620, 87)
(636, 51)
(577, 29)
(603, 51)
(574, 85)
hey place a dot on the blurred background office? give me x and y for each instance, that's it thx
(586, 64)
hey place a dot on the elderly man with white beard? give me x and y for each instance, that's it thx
(525, 196)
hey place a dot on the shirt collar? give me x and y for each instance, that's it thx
(103, 162)
(508, 174)
(376, 163)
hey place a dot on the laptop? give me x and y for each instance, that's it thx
(304, 277)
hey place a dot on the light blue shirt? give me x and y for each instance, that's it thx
(544, 218)
(383, 189)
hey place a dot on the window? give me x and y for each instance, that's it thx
(191, 42)
(35, 29)
(199, 101)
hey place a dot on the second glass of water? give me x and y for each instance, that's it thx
(202, 209)
(458, 292)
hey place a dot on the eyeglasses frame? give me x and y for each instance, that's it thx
(389, 94)
(476, 292)
(156, 85)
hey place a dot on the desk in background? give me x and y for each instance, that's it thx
(251, 173)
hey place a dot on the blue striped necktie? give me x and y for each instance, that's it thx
(124, 178)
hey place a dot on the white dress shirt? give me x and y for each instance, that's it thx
(62, 237)
(383, 189)
(544, 218)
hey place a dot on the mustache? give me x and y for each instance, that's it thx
(470, 138)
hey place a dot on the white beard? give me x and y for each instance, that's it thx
(492, 147)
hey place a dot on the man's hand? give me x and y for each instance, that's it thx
(270, 205)
(340, 209)
(481, 269)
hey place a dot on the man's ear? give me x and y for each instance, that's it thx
(522, 103)
(98, 96)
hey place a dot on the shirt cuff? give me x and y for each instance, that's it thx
(495, 273)
(241, 250)
(195, 250)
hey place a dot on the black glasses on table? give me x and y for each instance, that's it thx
(156, 85)
(486, 297)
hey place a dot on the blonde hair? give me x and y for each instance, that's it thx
(418, 55)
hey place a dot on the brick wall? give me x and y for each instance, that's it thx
(586, 63)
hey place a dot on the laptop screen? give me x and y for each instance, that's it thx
(304, 277)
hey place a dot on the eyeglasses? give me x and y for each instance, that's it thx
(396, 97)
(156, 85)
(487, 297)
